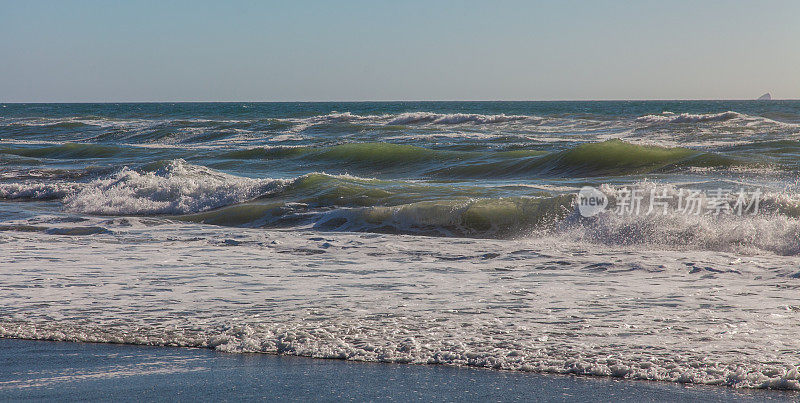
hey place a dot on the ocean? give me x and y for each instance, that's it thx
(655, 240)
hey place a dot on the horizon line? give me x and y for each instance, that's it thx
(402, 100)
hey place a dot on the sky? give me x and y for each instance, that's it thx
(131, 51)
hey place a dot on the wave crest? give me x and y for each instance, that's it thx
(174, 187)
(669, 117)
(452, 118)
(611, 157)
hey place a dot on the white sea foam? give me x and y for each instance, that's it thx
(749, 235)
(767, 230)
(729, 116)
(453, 118)
(175, 188)
(37, 190)
(669, 117)
(410, 118)
(530, 305)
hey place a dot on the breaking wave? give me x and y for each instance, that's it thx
(346, 203)
(453, 118)
(669, 117)
(219, 131)
(169, 187)
(731, 117)
(173, 187)
(410, 118)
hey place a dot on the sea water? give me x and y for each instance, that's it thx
(414, 232)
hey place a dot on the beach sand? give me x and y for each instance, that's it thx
(86, 371)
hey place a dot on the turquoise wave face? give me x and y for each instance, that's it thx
(610, 157)
(606, 158)
(488, 169)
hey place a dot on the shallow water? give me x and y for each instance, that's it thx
(410, 232)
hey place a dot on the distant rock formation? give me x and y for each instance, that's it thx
(765, 97)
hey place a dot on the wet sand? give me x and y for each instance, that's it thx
(85, 371)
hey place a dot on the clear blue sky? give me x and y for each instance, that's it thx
(397, 50)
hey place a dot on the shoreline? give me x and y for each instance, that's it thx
(41, 369)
